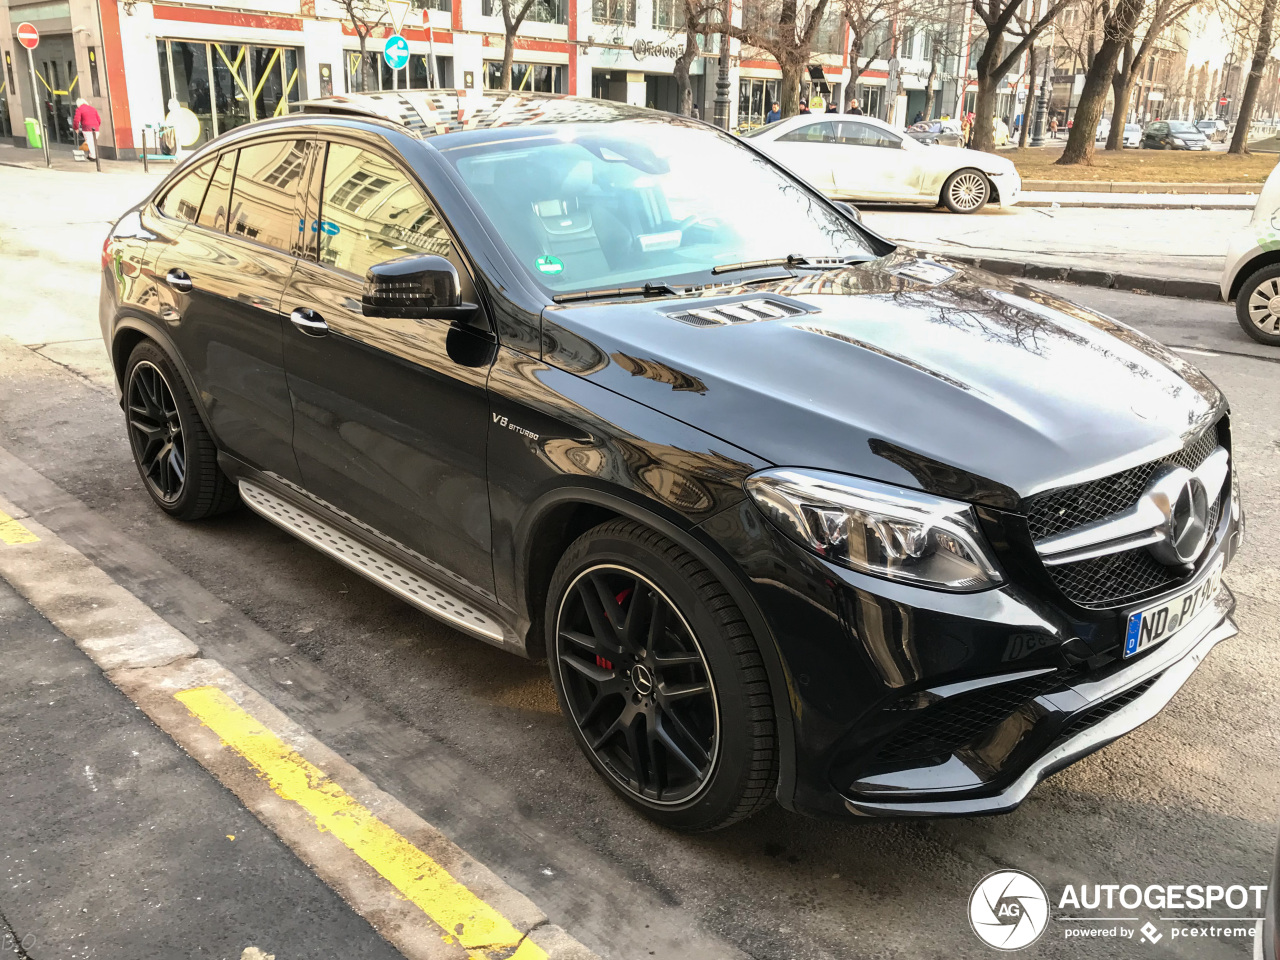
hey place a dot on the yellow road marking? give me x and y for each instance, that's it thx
(463, 916)
(14, 533)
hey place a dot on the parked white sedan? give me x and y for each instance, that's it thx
(861, 158)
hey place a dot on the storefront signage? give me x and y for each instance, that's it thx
(647, 48)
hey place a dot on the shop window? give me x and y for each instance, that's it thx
(540, 11)
(756, 97)
(536, 77)
(226, 84)
(620, 12)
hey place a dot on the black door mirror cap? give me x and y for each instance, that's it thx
(415, 287)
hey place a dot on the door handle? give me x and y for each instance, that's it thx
(309, 322)
(179, 280)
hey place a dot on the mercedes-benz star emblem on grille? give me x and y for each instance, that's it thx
(1182, 498)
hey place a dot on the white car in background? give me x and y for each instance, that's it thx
(1132, 135)
(1252, 275)
(861, 158)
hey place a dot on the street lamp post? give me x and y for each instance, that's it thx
(1042, 100)
(721, 117)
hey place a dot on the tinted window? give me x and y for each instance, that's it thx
(182, 202)
(813, 133)
(217, 201)
(370, 212)
(264, 200)
(865, 135)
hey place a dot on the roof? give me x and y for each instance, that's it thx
(427, 113)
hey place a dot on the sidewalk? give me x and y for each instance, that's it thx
(62, 159)
(1102, 200)
(117, 844)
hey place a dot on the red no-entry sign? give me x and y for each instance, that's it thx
(28, 35)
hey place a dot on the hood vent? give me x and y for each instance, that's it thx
(739, 311)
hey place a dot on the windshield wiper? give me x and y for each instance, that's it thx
(793, 260)
(659, 289)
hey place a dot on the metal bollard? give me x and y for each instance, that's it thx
(145, 168)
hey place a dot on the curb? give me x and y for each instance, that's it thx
(1104, 204)
(411, 893)
(1120, 186)
(1158, 286)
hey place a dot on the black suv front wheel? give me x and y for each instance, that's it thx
(661, 678)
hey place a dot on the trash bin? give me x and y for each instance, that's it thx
(33, 134)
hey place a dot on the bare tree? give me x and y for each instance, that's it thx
(697, 15)
(868, 39)
(513, 14)
(1117, 32)
(785, 30)
(365, 16)
(1261, 52)
(1133, 59)
(1001, 18)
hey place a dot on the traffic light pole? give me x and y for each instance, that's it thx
(35, 98)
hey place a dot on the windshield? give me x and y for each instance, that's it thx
(1181, 126)
(1132, 128)
(593, 206)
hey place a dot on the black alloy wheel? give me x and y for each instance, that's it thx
(661, 678)
(175, 455)
(637, 685)
(155, 431)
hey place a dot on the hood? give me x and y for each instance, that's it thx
(915, 371)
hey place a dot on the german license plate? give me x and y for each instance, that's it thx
(1155, 625)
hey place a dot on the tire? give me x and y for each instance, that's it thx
(630, 706)
(175, 456)
(966, 191)
(1261, 319)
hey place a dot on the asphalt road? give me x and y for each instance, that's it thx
(471, 739)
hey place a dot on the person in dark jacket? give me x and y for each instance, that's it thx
(804, 107)
(854, 108)
(87, 122)
(774, 114)
(831, 107)
(919, 117)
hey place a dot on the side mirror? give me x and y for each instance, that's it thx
(849, 210)
(419, 287)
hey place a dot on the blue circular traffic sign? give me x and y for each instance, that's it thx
(396, 52)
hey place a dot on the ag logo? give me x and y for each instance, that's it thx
(1008, 910)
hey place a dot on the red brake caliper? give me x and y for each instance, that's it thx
(601, 661)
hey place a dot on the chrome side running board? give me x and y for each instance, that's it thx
(426, 595)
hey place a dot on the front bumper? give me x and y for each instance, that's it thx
(1159, 677)
(907, 702)
(1008, 188)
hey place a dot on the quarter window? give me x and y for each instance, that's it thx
(370, 212)
(182, 202)
(824, 132)
(264, 204)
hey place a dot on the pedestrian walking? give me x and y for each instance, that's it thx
(804, 107)
(774, 114)
(854, 108)
(918, 118)
(831, 107)
(87, 122)
(1053, 128)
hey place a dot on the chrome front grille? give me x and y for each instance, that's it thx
(1129, 575)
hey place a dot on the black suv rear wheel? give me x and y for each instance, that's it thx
(172, 449)
(661, 678)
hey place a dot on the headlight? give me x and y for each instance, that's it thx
(1179, 140)
(876, 528)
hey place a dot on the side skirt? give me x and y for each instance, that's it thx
(311, 524)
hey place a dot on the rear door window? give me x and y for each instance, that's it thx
(265, 204)
(217, 201)
(371, 212)
(183, 199)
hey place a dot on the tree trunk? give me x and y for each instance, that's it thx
(984, 110)
(1122, 92)
(364, 62)
(789, 86)
(1117, 33)
(1240, 139)
(508, 55)
(680, 71)
(928, 86)
(1029, 108)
